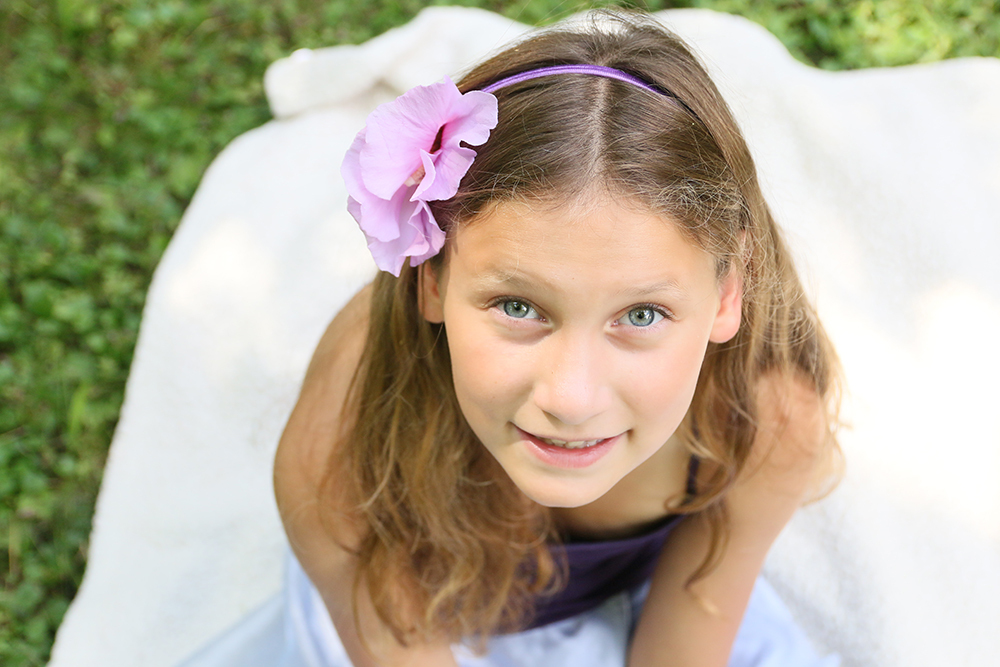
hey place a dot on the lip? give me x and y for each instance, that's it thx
(560, 457)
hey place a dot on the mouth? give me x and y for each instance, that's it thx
(568, 453)
(570, 444)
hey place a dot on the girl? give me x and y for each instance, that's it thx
(587, 374)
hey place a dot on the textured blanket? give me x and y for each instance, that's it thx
(888, 185)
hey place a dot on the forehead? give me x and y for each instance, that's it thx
(601, 243)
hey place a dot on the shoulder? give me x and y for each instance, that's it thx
(793, 453)
(792, 440)
(795, 432)
(321, 532)
(791, 419)
(317, 422)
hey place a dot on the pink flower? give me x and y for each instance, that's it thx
(407, 154)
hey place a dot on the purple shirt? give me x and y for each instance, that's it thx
(599, 570)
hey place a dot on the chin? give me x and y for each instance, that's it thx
(567, 494)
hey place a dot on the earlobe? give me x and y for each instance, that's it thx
(429, 298)
(729, 316)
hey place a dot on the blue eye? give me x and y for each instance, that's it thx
(518, 309)
(644, 316)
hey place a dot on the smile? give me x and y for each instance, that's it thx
(560, 453)
(570, 444)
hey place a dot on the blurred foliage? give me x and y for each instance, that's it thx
(836, 34)
(110, 110)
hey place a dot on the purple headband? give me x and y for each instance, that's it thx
(593, 70)
(411, 152)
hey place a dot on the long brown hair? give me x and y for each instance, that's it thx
(452, 548)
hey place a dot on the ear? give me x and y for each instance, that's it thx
(727, 319)
(430, 299)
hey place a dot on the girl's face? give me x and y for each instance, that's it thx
(576, 337)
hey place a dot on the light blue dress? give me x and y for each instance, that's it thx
(294, 630)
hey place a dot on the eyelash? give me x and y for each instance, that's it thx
(666, 314)
(499, 301)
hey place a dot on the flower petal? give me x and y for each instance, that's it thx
(427, 180)
(430, 234)
(384, 220)
(390, 255)
(350, 168)
(420, 239)
(399, 130)
(472, 118)
(449, 166)
(393, 151)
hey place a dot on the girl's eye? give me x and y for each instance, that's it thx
(519, 310)
(643, 316)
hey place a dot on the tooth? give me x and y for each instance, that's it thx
(570, 444)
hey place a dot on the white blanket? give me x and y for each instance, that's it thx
(888, 184)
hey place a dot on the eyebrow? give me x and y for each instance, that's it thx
(517, 280)
(670, 286)
(494, 277)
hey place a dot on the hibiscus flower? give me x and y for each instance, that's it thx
(410, 152)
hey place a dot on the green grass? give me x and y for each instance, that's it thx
(109, 113)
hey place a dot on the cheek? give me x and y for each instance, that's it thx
(663, 385)
(487, 373)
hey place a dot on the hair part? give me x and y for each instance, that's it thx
(440, 512)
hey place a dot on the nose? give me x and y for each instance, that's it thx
(572, 382)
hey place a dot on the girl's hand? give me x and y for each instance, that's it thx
(697, 627)
(324, 550)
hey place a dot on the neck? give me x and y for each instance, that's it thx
(639, 499)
